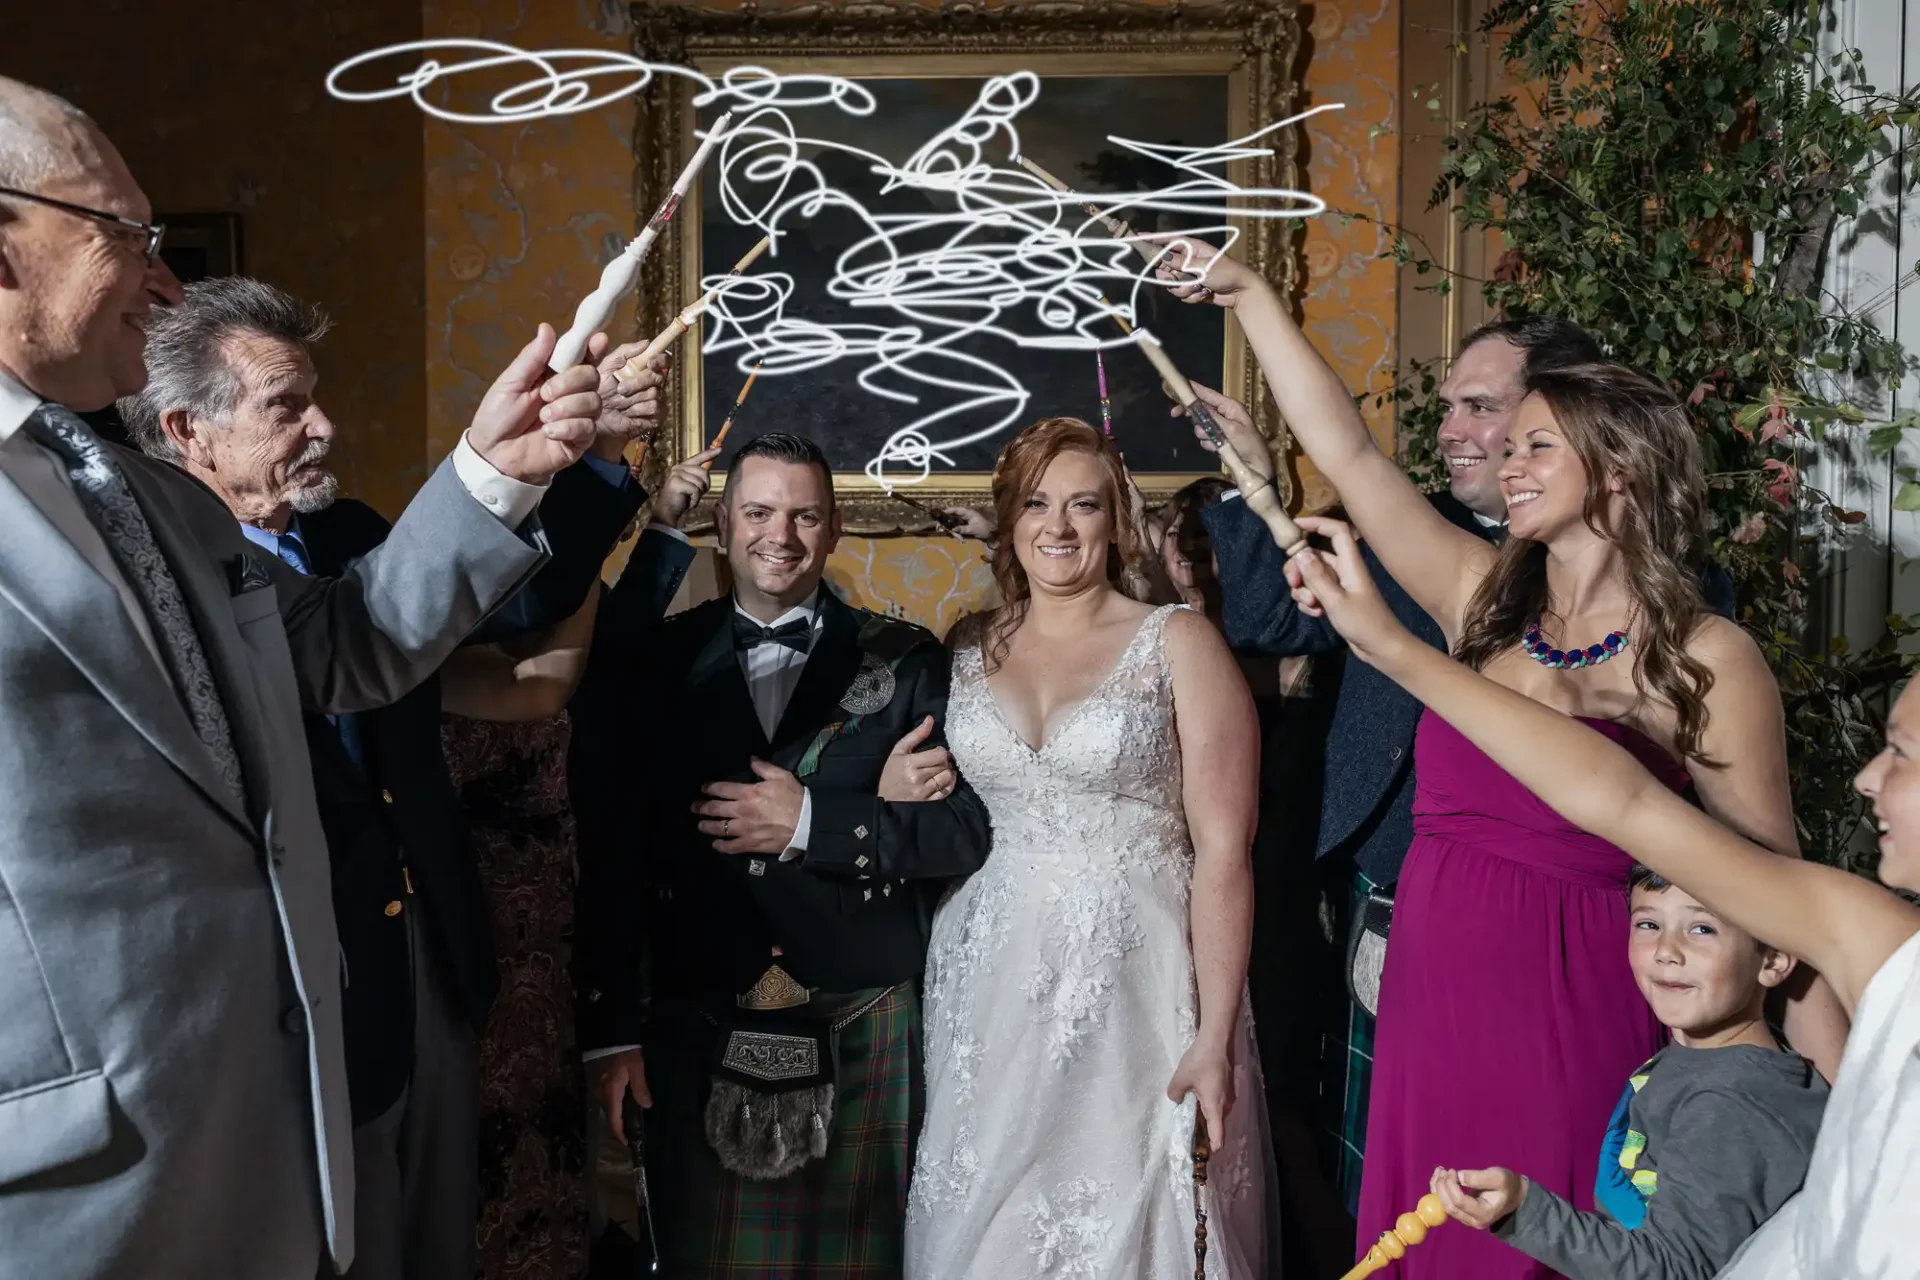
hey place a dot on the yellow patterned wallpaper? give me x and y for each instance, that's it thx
(519, 219)
(1348, 304)
(933, 581)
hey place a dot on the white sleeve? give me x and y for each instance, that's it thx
(511, 501)
(588, 1055)
(801, 829)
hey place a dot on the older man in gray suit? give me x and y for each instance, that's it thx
(172, 1095)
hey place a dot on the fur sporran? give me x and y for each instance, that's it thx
(770, 1108)
(768, 1135)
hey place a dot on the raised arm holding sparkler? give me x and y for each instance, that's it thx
(1253, 474)
(1440, 564)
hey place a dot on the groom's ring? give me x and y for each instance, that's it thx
(726, 828)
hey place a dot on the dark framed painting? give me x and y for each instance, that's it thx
(1108, 68)
(200, 246)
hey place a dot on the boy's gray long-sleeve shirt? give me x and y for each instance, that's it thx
(1727, 1136)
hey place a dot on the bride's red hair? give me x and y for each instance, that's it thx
(1015, 477)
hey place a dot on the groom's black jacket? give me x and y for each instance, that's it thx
(668, 710)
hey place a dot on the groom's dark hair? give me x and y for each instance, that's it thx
(781, 446)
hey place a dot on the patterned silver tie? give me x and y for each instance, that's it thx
(110, 504)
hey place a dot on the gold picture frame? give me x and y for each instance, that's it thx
(1252, 44)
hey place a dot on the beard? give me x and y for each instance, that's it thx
(315, 497)
(318, 496)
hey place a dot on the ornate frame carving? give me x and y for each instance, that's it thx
(1254, 43)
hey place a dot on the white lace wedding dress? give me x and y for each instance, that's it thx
(1059, 998)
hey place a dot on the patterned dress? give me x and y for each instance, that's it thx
(533, 1211)
(1060, 995)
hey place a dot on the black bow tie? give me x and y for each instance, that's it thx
(797, 634)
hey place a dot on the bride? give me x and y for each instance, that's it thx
(1085, 990)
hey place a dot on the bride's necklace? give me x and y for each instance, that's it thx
(1570, 659)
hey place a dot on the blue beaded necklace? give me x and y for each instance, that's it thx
(1570, 659)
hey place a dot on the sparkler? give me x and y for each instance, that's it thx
(695, 309)
(720, 437)
(1106, 406)
(618, 279)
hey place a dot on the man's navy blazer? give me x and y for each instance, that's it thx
(396, 830)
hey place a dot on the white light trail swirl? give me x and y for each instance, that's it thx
(1005, 255)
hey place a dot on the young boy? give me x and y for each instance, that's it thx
(1712, 1135)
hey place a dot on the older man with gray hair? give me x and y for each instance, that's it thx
(235, 351)
(172, 1095)
(232, 397)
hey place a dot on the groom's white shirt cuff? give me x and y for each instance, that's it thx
(801, 829)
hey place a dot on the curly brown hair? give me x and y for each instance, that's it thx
(1016, 474)
(1631, 434)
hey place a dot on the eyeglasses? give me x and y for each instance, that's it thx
(153, 231)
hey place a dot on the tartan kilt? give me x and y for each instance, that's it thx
(841, 1216)
(1346, 1068)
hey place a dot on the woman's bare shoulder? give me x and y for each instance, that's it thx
(1726, 649)
(1192, 640)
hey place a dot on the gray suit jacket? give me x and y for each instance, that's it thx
(173, 1099)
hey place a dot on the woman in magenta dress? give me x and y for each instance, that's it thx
(1509, 1018)
(1508, 1015)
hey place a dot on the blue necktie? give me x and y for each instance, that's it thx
(291, 549)
(294, 551)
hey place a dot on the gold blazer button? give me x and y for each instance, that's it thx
(393, 908)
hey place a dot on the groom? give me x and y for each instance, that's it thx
(752, 916)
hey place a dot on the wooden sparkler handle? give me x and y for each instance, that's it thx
(661, 341)
(1262, 496)
(684, 321)
(1202, 1152)
(1408, 1230)
(1116, 227)
(719, 438)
